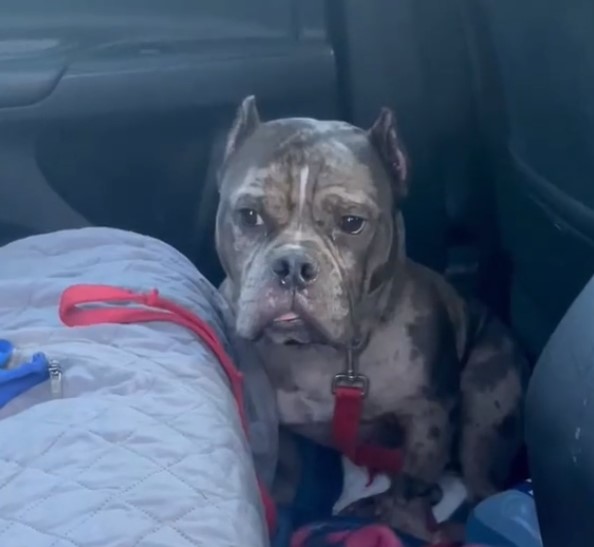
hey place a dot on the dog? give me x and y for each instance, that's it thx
(310, 234)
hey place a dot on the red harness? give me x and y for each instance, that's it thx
(349, 388)
(348, 408)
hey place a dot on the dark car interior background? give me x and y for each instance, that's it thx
(113, 113)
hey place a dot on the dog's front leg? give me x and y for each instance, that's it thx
(428, 438)
(427, 443)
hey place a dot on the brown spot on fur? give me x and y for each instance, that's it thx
(415, 488)
(434, 432)
(390, 432)
(491, 371)
(412, 459)
(508, 428)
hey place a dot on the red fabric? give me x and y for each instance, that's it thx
(348, 409)
(373, 535)
(456, 545)
(151, 307)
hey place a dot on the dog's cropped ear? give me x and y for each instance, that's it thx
(246, 121)
(384, 137)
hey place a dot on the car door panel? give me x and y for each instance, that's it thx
(545, 56)
(110, 111)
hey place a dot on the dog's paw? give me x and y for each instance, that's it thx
(412, 516)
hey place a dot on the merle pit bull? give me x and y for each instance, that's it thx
(311, 238)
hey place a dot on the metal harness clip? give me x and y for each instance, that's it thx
(351, 377)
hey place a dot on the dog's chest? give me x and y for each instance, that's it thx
(302, 378)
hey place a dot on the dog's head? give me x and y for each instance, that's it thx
(307, 227)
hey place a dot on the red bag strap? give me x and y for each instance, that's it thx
(152, 307)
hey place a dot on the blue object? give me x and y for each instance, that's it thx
(506, 520)
(284, 528)
(6, 350)
(318, 490)
(15, 381)
(321, 483)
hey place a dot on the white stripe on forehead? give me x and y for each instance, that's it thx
(303, 181)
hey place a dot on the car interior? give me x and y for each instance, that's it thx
(114, 113)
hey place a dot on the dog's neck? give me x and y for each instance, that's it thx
(380, 305)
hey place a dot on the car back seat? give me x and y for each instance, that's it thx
(536, 79)
(542, 137)
(413, 56)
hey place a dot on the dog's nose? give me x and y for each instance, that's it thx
(295, 270)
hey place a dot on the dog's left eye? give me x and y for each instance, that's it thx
(352, 224)
(250, 218)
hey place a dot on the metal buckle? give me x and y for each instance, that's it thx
(55, 373)
(351, 378)
(356, 381)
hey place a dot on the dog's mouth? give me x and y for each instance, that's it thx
(290, 328)
(288, 319)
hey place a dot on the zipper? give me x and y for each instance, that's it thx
(55, 377)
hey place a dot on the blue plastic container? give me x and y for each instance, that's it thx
(506, 520)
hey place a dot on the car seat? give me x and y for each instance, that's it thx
(536, 66)
(560, 429)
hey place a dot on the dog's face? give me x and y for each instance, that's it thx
(305, 225)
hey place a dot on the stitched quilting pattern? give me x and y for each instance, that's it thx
(145, 447)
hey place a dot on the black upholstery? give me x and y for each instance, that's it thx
(560, 429)
(544, 51)
(413, 55)
(541, 138)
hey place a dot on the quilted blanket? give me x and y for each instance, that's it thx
(143, 447)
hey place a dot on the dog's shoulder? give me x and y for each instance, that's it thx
(438, 305)
(425, 335)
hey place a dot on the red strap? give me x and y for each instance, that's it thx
(372, 535)
(348, 409)
(151, 307)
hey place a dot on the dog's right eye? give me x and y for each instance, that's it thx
(250, 218)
